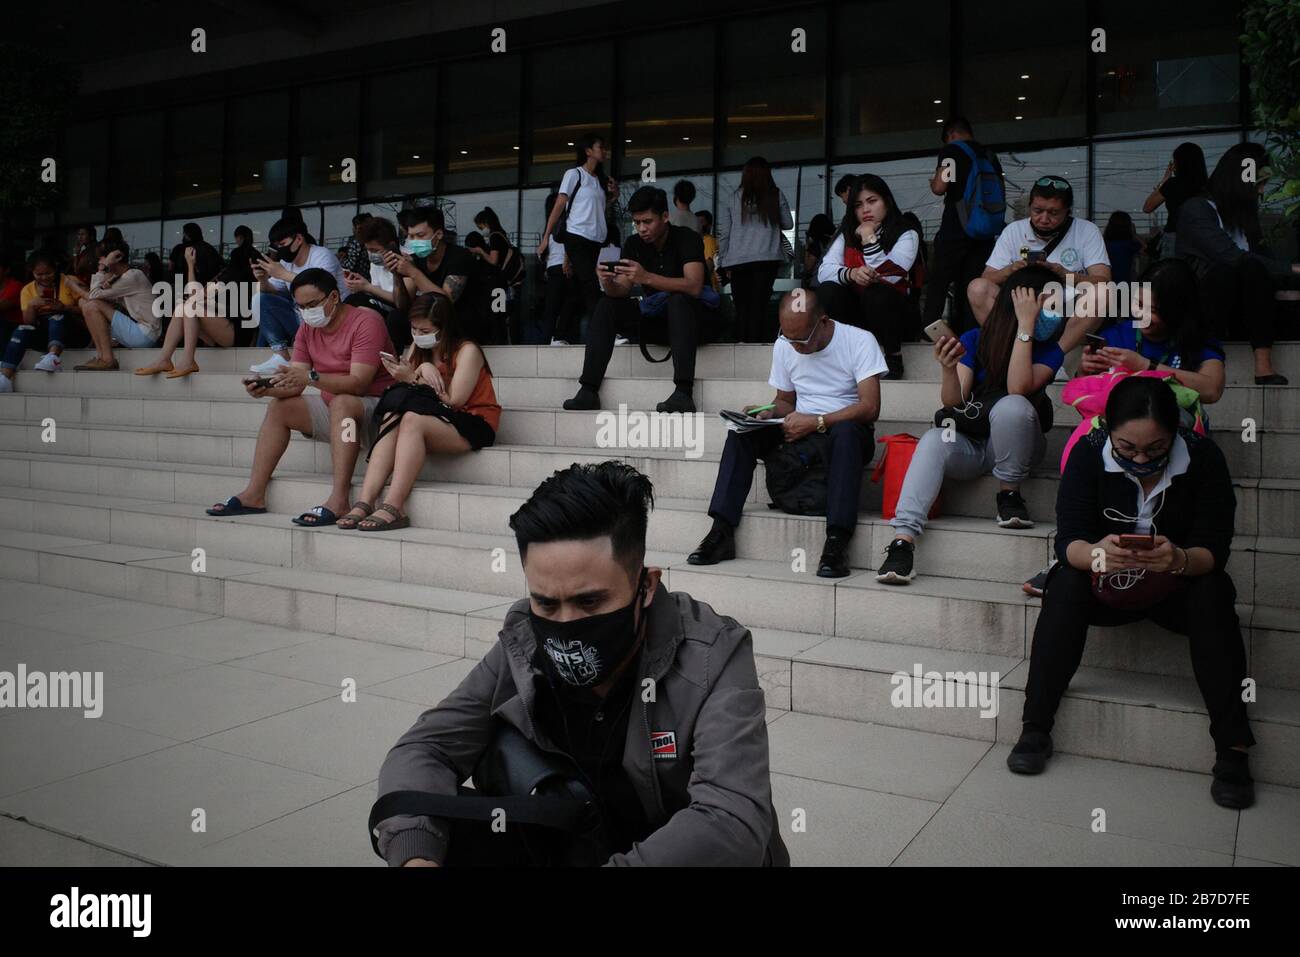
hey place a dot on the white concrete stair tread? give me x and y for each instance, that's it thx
(36, 541)
(890, 657)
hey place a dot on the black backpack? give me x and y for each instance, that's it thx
(511, 267)
(561, 231)
(796, 475)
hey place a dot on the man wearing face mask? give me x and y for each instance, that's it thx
(1049, 235)
(118, 306)
(377, 288)
(646, 699)
(291, 252)
(337, 353)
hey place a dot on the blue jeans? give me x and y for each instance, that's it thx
(25, 337)
(277, 320)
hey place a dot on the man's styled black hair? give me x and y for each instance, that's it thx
(360, 218)
(589, 501)
(684, 191)
(379, 230)
(844, 183)
(285, 228)
(423, 214)
(955, 124)
(650, 198)
(317, 278)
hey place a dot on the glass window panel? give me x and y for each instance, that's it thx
(908, 180)
(703, 183)
(480, 133)
(399, 143)
(257, 151)
(571, 92)
(532, 219)
(143, 237)
(1125, 173)
(1023, 69)
(136, 167)
(260, 223)
(85, 167)
(774, 97)
(1164, 70)
(211, 226)
(461, 208)
(326, 135)
(194, 179)
(668, 110)
(338, 224)
(888, 100)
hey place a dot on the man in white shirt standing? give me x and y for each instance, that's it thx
(584, 193)
(1051, 236)
(827, 379)
(273, 308)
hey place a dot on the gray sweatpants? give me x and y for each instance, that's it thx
(1014, 446)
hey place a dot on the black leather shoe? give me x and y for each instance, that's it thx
(834, 562)
(718, 546)
(585, 400)
(1031, 752)
(679, 401)
(1232, 785)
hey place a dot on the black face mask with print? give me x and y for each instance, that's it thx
(584, 652)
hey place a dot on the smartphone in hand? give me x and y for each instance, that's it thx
(937, 330)
(260, 382)
(1138, 543)
(1095, 343)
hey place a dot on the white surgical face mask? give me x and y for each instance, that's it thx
(315, 316)
(425, 341)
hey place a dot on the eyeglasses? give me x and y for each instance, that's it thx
(1054, 182)
(313, 305)
(1150, 453)
(803, 342)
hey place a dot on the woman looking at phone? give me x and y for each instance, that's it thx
(1141, 475)
(443, 401)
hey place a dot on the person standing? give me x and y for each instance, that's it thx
(957, 257)
(680, 214)
(1185, 177)
(749, 247)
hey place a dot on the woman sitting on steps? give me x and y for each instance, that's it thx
(443, 402)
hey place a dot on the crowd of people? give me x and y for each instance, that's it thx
(378, 347)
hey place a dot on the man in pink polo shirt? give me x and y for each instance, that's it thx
(336, 352)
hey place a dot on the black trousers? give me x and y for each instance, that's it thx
(399, 329)
(751, 292)
(559, 311)
(883, 312)
(851, 448)
(681, 325)
(1202, 609)
(1240, 297)
(582, 255)
(953, 259)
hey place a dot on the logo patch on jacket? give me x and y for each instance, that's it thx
(663, 745)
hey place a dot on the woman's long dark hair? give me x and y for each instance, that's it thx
(1235, 199)
(1189, 168)
(896, 221)
(998, 335)
(1119, 227)
(758, 193)
(1174, 295)
(452, 333)
(488, 215)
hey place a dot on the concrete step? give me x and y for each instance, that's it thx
(1108, 713)
(726, 360)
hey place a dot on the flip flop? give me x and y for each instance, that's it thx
(233, 506)
(323, 515)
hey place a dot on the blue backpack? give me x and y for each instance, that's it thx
(983, 206)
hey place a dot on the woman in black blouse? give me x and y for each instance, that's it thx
(1141, 475)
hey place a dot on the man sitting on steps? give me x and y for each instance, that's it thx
(826, 376)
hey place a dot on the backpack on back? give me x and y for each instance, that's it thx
(982, 208)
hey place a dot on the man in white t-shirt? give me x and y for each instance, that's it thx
(273, 308)
(827, 379)
(1048, 235)
(585, 191)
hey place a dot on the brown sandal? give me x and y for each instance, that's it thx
(397, 521)
(352, 520)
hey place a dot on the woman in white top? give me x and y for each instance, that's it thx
(865, 277)
(585, 191)
(750, 252)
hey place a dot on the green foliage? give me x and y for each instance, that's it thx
(36, 97)
(1271, 47)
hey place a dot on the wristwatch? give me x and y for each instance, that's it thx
(821, 423)
(313, 375)
(1152, 365)
(1023, 336)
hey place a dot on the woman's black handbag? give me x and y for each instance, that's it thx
(403, 397)
(972, 418)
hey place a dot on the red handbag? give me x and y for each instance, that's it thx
(899, 449)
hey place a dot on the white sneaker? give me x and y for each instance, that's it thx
(271, 366)
(6, 384)
(621, 340)
(49, 363)
(559, 342)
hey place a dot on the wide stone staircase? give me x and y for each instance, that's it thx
(104, 478)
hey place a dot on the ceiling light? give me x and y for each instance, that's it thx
(937, 102)
(1020, 98)
(1024, 76)
(1020, 117)
(464, 152)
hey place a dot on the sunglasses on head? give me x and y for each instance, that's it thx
(1052, 182)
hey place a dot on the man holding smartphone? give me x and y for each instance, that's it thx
(660, 257)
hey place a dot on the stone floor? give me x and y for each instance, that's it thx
(247, 722)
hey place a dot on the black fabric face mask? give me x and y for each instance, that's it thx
(584, 652)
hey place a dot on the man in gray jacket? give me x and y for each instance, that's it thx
(650, 697)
